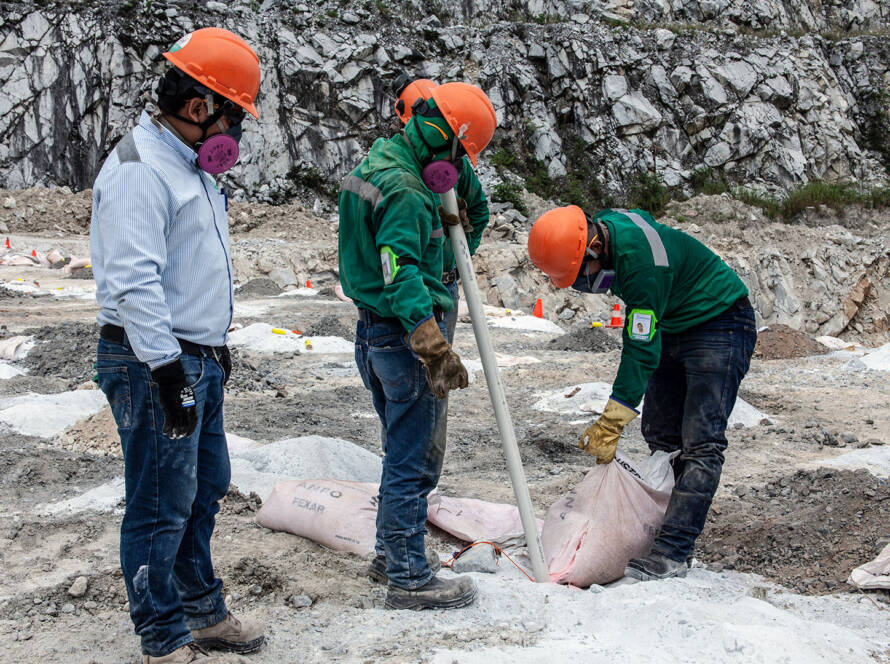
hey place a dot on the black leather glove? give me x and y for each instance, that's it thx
(177, 400)
(225, 361)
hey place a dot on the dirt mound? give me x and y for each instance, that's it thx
(9, 294)
(329, 326)
(67, 350)
(806, 531)
(42, 209)
(780, 342)
(97, 434)
(85, 273)
(252, 373)
(585, 338)
(259, 287)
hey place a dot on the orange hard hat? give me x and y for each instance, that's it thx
(556, 243)
(222, 61)
(422, 88)
(469, 113)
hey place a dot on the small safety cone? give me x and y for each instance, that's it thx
(7, 244)
(308, 284)
(616, 317)
(34, 253)
(539, 309)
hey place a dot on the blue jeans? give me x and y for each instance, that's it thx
(409, 413)
(688, 400)
(172, 493)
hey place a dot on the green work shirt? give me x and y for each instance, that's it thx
(391, 237)
(670, 282)
(470, 189)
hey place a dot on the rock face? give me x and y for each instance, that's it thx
(565, 79)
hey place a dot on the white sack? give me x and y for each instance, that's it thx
(873, 575)
(610, 517)
(472, 520)
(336, 514)
(15, 348)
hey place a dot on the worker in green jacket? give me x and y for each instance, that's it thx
(687, 343)
(473, 215)
(391, 239)
(471, 198)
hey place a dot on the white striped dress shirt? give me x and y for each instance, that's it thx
(159, 245)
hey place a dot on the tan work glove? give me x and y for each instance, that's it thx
(601, 438)
(461, 218)
(444, 370)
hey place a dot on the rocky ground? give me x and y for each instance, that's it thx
(780, 512)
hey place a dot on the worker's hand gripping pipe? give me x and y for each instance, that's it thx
(496, 390)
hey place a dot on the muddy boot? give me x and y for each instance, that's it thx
(241, 636)
(655, 567)
(437, 594)
(189, 653)
(377, 568)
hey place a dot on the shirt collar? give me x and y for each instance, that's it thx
(166, 136)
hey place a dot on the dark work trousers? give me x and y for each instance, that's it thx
(687, 403)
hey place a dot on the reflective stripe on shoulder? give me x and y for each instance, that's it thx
(659, 254)
(126, 149)
(437, 232)
(364, 190)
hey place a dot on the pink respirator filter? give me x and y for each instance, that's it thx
(218, 154)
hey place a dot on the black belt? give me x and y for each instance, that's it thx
(368, 317)
(742, 303)
(452, 275)
(117, 335)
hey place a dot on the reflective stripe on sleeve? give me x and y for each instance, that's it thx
(364, 190)
(659, 255)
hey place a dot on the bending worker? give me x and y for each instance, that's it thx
(687, 344)
(473, 209)
(159, 242)
(390, 253)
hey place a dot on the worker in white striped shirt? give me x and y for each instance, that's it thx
(160, 253)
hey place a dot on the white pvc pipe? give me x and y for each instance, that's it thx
(496, 391)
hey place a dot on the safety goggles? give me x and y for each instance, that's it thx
(594, 233)
(218, 107)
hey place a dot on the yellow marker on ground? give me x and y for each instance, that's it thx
(596, 324)
(308, 344)
(278, 330)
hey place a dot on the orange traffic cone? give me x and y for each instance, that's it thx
(616, 317)
(34, 253)
(308, 284)
(7, 244)
(539, 309)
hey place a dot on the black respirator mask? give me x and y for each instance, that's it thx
(598, 282)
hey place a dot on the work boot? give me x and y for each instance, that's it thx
(437, 594)
(655, 567)
(190, 652)
(230, 633)
(377, 568)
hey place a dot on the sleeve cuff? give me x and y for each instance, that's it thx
(624, 403)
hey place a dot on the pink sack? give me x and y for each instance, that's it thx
(472, 520)
(336, 514)
(610, 517)
(873, 575)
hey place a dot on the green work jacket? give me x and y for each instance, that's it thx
(670, 282)
(391, 237)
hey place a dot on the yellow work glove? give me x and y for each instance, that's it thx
(601, 438)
